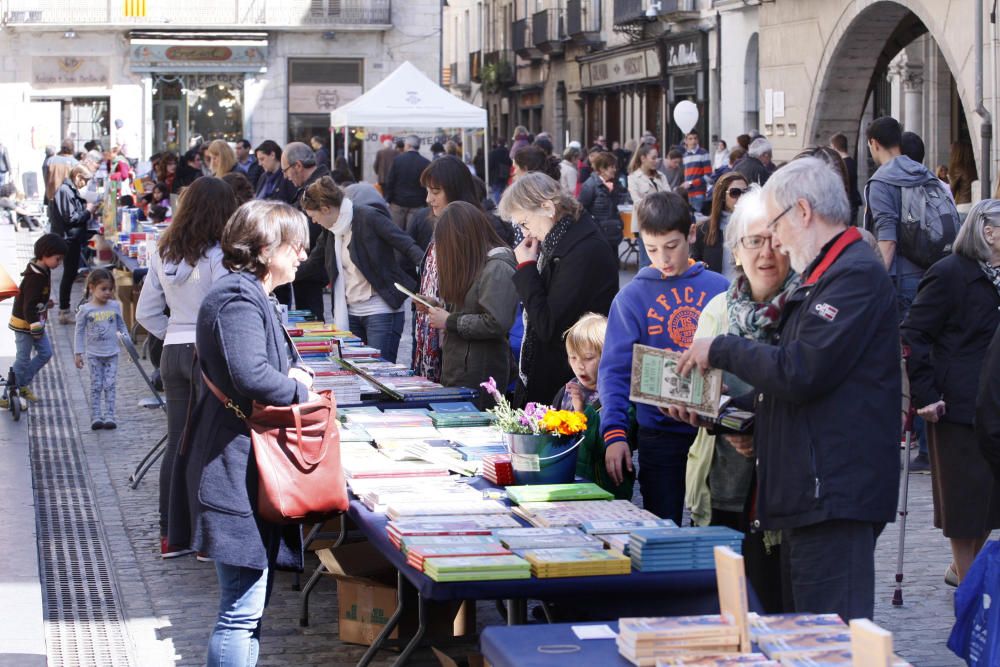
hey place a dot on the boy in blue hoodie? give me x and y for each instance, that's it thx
(659, 308)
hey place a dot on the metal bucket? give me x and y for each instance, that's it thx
(542, 459)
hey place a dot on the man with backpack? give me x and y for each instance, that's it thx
(913, 218)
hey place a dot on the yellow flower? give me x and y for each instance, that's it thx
(564, 422)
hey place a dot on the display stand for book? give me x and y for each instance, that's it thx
(732, 581)
(871, 646)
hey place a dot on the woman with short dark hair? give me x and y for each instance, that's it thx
(247, 357)
(474, 271)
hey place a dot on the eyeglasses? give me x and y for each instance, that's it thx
(756, 242)
(771, 226)
(735, 193)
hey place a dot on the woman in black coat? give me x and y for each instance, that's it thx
(70, 216)
(601, 195)
(949, 328)
(564, 269)
(245, 354)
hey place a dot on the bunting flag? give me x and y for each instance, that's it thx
(135, 8)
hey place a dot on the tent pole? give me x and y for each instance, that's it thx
(461, 137)
(486, 160)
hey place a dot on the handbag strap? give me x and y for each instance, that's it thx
(225, 400)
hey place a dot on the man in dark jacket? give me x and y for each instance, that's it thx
(838, 142)
(827, 396)
(402, 186)
(500, 164)
(247, 163)
(299, 165)
(752, 166)
(272, 183)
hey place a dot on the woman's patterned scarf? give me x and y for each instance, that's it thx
(992, 272)
(756, 321)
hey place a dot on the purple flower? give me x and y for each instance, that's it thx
(491, 388)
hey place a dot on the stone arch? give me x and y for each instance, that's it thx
(868, 34)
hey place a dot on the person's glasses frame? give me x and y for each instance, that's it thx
(771, 226)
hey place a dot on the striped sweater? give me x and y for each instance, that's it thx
(697, 168)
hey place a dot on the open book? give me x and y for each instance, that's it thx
(655, 381)
(419, 298)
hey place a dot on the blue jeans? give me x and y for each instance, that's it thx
(697, 202)
(26, 366)
(381, 331)
(906, 292)
(662, 464)
(235, 640)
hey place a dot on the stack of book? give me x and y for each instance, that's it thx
(674, 549)
(519, 539)
(556, 492)
(567, 561)
(575, 512)
(377, 497)
(416, 554)
(643, 641)
(344, 385)
(380, 466)
(799, 638)
(498, 469)
(477, 568)
(458, 414)
(721, 660)
(446, 527)
(615, 533)
(432, 508)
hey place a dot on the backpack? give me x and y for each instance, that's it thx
(928, 223)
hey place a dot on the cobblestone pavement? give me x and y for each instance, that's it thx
(170, 605)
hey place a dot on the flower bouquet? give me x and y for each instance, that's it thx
(538, 439)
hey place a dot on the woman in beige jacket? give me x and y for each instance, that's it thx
(645, 179)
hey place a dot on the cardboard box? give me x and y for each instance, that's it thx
(366, 599)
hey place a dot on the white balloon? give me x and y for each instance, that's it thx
(686, 115)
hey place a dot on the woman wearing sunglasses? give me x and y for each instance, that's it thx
(708, 246)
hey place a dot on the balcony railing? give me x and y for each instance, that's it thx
(548, 31)
(200, 13)
(583, 20)
(521, 38)
(476, 66)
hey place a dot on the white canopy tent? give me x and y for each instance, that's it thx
(408, 99)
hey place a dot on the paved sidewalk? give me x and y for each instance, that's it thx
(22, 636)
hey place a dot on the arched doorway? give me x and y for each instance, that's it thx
(751, 84)
(866, 73)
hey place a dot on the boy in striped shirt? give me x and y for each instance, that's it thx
(697, 167)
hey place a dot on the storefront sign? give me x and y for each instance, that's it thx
(318, 99)
(57, 71)
(685, 52)
(151, 55)
(621, 68)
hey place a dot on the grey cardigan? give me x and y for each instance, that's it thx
(475, 347)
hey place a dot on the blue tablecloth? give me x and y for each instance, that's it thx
(548, 646)
(130, 264)
(638, 593)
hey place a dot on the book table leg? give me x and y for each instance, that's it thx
(320, 570)
(391, 624)
(517, 612)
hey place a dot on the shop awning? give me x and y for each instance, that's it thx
(408, 99)
(198, 53)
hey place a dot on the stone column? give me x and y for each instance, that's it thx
(913, 93)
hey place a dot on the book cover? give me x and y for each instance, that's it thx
(666, 627)
(793, 624)
(776, 646)
(601, 527)
(655, 381)
(557, 492)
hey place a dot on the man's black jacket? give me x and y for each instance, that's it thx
(828, 394)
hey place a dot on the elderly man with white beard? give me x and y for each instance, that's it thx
(826, 396)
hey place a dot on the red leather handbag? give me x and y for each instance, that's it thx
(297, 448)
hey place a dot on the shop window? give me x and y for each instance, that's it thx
(191, 108)
(317, 86)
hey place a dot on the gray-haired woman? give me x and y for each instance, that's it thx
(245, 354)
(949, 329)
(564, 269)
(720, 468)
